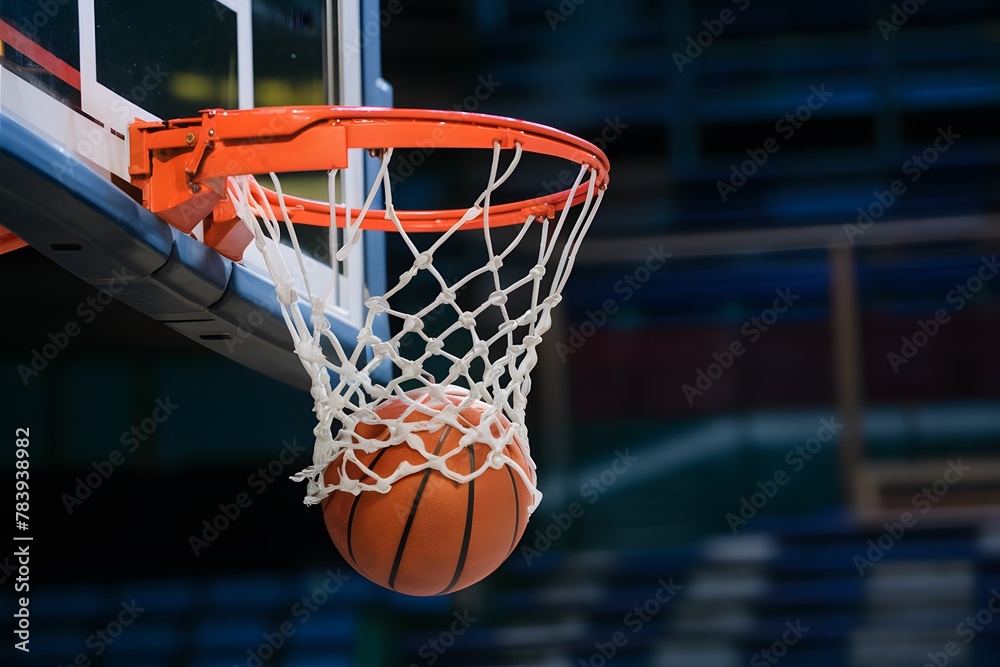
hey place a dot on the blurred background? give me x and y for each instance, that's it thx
(765, 421)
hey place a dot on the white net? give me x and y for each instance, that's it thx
(461, 355)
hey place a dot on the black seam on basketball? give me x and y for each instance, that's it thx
(354, 505)
(413, 513)
(467, 537)
(517, 510)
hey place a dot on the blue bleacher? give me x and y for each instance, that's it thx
(738, 594)
(332, 626)
(69, 602)
(248, 592)
(231, 632)
(147, 637)
(913, 597)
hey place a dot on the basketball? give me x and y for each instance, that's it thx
(430, 535)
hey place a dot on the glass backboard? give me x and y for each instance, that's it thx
(75, 73)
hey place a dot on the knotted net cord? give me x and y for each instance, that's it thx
(342, 387)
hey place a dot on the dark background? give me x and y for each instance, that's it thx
(584, 67)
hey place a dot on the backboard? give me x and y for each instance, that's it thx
(75, 73)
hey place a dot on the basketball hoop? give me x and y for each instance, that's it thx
(181, 165)
(200, 170)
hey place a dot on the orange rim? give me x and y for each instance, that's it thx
(181, 165)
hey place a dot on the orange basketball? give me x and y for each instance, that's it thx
(429, 535)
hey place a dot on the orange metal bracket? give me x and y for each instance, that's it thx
(8, 241)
